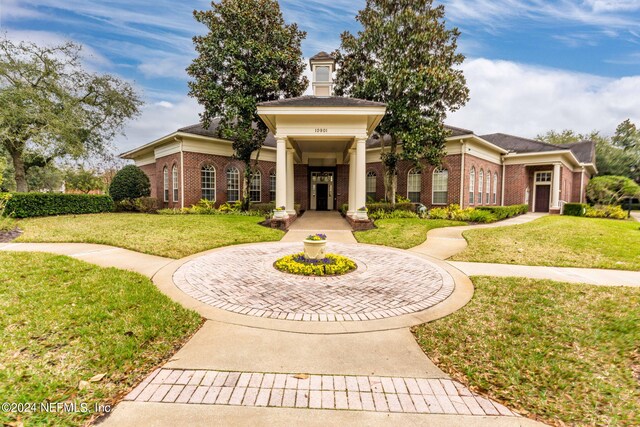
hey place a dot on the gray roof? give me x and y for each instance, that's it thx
(584, 150)
(322, 56)
(212, 131)
(321, 101)
(270, 141)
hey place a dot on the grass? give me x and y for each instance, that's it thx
(7, 224)
(171, 236)
(402, 233)
(65, 321)
(558, 241)
(559, 352)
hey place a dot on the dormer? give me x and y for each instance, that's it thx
(323, 66)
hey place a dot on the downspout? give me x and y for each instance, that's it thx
(582, 185)
(462, 173)
(181, 174)
(502, 192)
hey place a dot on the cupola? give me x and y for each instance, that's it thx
(323, 66)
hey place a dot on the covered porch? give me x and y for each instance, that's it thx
(328, 136)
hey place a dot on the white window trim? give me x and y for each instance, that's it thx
(487, 188)
(414, 171)
(495, 188)
(165, 188)
(209, 168)
(472, 186)
(237, 172)
(480, 186)
(175, 187)
(433, 191)
(257, 174)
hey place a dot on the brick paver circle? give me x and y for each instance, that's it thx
(387, 283)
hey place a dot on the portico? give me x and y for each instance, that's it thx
(321, 133)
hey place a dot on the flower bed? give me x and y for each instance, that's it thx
(330, 265)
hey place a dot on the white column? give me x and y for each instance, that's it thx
(352, 183)
(281, 172)
(290, 181)
(555, 188)
(361, 172)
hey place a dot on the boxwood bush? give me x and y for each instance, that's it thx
(575, 209)
(503, 212)
(24, 205)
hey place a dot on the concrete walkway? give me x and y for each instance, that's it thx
(102, 255)
(635, 215)
(591, 276)
(330, 223)
(443, 243)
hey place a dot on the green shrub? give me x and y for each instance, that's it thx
(129, 183)
(4, 198)
(388, 207)
(611, 189)
(7, 224)
(262, 208)
(24, 205)
(477, 215)
(380, 214)
(141, 204)
(611, 212)
(503, 212)
(574, 209)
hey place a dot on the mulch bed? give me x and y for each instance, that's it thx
(7, 236)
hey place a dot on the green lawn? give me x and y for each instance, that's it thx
(561, 241)
(64, 321)
(402, 233)
(172, 236)
(564, 353)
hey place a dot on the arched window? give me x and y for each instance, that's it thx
(414, 185)
(233, 184)
(165, 174)
(480, 184)
(472, 186)
(371, 185)
(272, 186)
(174, 178)
(440, 187)
(487, 189)
(255, 189)
(495, 188)
(208, 182)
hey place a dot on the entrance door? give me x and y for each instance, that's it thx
(543, 193)
(322, 197)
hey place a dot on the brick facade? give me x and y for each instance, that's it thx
(517, 179)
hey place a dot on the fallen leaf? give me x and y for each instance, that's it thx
(96, 378)
(301, 376)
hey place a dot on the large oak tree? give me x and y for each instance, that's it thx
(406, 57)
(51, 107)
(248, 56)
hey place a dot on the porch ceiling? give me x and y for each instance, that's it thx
(321, 145)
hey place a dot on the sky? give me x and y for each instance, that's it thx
(531, 65)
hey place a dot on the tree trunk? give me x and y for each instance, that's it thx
(20, 172)
(248, 174)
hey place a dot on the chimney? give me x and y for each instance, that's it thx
(323, 66)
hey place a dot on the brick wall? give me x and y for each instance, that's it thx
(487, 167)
(301, 186)
(516, 182)
(169, 162)
(150, 171)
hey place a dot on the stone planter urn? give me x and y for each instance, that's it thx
(314, 246)
(279, 214)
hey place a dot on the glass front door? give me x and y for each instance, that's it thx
(322, 189)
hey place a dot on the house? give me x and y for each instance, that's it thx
(320, 153)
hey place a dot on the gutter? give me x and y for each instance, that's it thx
(462, 173)
(502, 192)
(181, 173)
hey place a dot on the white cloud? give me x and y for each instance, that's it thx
(527, 100)
(157, 120)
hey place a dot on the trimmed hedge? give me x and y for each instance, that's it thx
(575, 209)
(24, 205)
(388, 207)
(503, 212)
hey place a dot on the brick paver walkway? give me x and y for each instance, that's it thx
(357, 393)
(243, 280)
